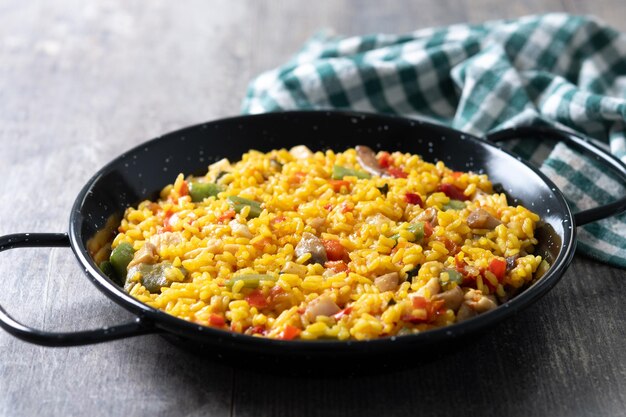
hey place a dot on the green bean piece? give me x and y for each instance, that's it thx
(417, 229)
(454, 205)
(250, 280)
(201, 190)
(120, 258)
(454, 276)
(238, 203)
(339, 172)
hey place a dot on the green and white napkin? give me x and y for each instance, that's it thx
(557, 69)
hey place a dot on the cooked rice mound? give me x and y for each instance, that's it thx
(293, 244)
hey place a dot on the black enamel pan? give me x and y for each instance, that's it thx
(141, 172)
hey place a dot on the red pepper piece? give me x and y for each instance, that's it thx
(256, 299)
(290, 332)
(216, 320)
(453, 192)
(335, 251)
(413, 198)
(498, 268)
(397, 172)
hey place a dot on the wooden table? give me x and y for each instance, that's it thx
(81, 81)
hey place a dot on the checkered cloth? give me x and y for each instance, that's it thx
(557, 69)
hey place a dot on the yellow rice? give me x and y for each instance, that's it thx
(294, 198)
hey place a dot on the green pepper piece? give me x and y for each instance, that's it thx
(201, 190)
(454, 276)
(339, 172)
(417, 229)
(238, 203)
(120, 258)
(250, 280)
(454, 205)
(107, 269)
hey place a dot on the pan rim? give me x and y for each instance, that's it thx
(180, 327)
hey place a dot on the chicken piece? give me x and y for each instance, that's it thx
(321, 306)
(377, 219)
(239, 229)
(212, 246)
(146, 255)
(294, 268)
(311, 244)
(431, 288)
(300, 152)
(387, 282)
(317, 222)
(465, 313)
(367, 159)
(475, 303)
(482, 219)
(452, 298)
(429, 216)
(166, 239)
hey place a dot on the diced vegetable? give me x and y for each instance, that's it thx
(121, 257)
(339, 172)
(345, 312)
(413, 198)
(290, 332)
(454, 205)
(107, 269)
(238, 203)
(337, 184)
(153, 277)
(447, 277)
(216, 320)
(397, 172)
(250, 280)
(335, 251)
(424, 310)
(201, 190)
(417, 229)
(385, 160)
(497, 267)
(257, 299)
(428, 229)
(337, 266)
(453, 192)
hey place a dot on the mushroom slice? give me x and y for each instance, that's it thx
(367, 158)
(482, 219)
(311, 244)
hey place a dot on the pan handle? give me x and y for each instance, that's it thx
(583, 145)
(135, 327)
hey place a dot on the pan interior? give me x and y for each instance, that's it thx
(143, 171)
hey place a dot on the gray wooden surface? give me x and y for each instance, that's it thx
(81, 81)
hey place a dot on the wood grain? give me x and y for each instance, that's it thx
(81, 81)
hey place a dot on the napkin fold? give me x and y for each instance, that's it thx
(555, 69)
